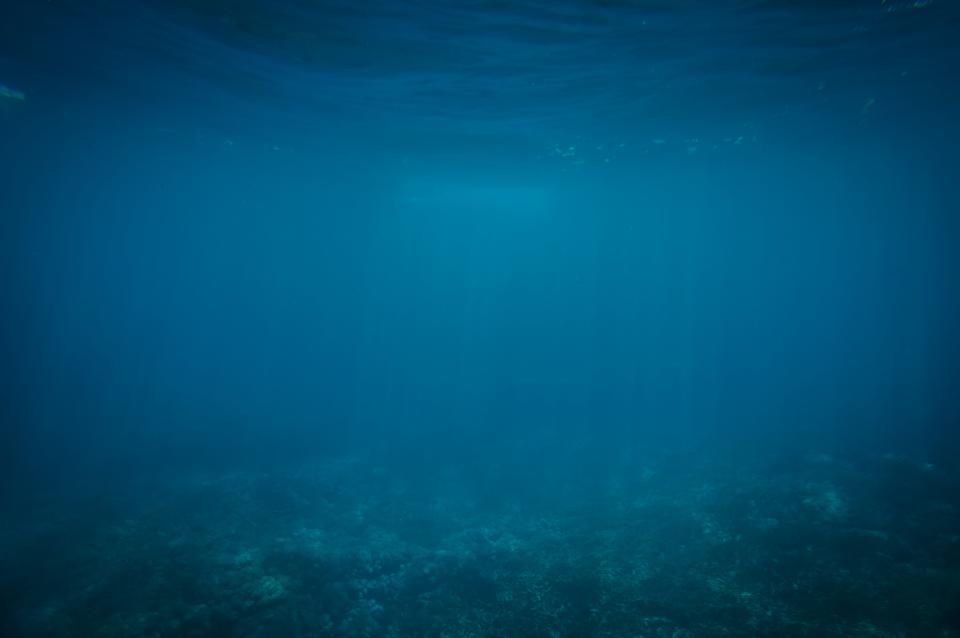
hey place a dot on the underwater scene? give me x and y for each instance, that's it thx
(479, 318)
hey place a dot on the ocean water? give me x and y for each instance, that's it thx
(451, 319)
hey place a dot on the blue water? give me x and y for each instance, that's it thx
(436, 318)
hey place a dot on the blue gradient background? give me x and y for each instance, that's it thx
(493, 235)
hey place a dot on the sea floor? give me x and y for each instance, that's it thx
(814, 546)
